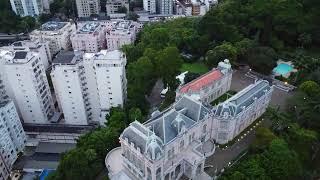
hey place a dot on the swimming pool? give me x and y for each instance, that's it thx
(283, 69)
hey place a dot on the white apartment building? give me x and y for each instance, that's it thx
(42, 48)
(90, 37)
(12, 137)
(86, 8)
(165, 7)
(112, 6)
(70, 85)
(106, 81)
(177, 141)
(123, 32)
(30, 90)
(30, 7)
(150, 6)
(209, 86)
(56, 33)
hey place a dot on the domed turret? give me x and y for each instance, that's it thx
(179, 123)
(154, 149)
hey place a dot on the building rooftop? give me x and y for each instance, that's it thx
(105, 55)
(166, 125)
(56, 148)
(202, 81)
(122, 25)
(66, 57)
(88, 28)
(20, 55)
(52, 26)
(243, 99)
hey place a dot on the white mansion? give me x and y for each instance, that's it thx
(175, 143)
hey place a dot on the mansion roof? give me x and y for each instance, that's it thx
(201, 82)
(237, 103)
(166, 126)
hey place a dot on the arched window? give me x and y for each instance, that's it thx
(158, 174)
(149, 175)
(204, 128)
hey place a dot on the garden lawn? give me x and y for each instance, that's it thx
(199, 68)
(223, 97)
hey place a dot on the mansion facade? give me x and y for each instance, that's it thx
(174, 144)
(209, 86)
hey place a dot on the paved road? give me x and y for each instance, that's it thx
(221, 158)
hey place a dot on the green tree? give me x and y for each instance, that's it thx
(280, 162)
(305, 39)
(263, 139)
(221, 52)
(262, 59)
(311, 88)
(135, 114)
(168, 65)
(157, 38)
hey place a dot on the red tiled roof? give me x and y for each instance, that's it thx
(202, 81)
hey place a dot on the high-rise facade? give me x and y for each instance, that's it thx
(106, 81)
(150, 6)
(165, 7)
(29, 7)
(30, 89)
(112, 6)
(70, 85)
(86, 8)
(12, 137)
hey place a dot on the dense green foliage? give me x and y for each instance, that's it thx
(255, 32)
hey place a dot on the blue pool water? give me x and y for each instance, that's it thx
(283, 69)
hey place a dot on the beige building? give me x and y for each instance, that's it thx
(123, 32)
(112, 6)
(56, 33)
(86, 8)
(89, 37)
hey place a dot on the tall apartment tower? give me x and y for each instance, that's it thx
(69, 81)
(12, 137)
(29, 7)
(165, 7)
(150, 6)
(29, 85)
(86, 8)
(106, 78)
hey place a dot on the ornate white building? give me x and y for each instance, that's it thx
(209, 86)
(175, 143)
